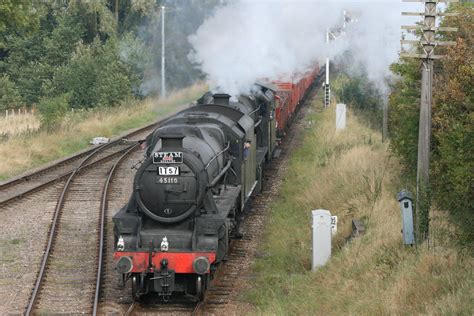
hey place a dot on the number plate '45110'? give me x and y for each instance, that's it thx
(167, 180)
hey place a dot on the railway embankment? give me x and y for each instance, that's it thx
(352, 174)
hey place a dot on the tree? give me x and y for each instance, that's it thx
(453, 124)
(16, 16)
(9, 95)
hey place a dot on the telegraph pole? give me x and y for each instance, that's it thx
(163, 82)
(428, 44)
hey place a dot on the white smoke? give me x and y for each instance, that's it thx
(247, 40)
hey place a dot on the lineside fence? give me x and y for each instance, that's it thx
(15, 122)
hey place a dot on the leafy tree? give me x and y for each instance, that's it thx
(16, 16)
(404, 105)
(77, 77)
(453, 124)
(9, 95)
(33, 58)
(114, 81)
(94, 76)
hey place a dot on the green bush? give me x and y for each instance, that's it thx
(52, 111)
(9, 95)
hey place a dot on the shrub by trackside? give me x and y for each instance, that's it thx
(52, 111)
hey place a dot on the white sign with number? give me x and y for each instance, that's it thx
(168, 171)
(333, 225)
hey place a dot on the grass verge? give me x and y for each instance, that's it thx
(18, 124)
(29, 151)
(352, 174)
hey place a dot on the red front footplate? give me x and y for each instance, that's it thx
(179, 262)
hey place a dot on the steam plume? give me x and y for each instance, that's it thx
(251, 39)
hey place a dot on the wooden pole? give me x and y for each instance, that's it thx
(424, 140)
(163, 78)
(428, 42)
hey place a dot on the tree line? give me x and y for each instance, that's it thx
(83, 54)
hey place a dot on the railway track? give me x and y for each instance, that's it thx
(69, 277)
(185, 308)
(25, 185)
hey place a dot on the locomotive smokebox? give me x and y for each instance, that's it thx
(221, 98)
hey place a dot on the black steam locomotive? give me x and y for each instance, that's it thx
(201, 167)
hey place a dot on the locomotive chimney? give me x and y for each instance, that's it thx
(171, 140)
(221, 98)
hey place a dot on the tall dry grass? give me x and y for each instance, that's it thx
(78, 128)
(352, 174)
(17, 124)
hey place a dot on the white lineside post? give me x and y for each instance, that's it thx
(321, 238)
(163, 83)
(340, 116)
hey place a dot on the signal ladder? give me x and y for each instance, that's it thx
(327, 95)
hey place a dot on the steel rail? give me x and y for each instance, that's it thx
(103, 210)
(130, 309)
(52, 231)
(197, 309)
(28, 177)
(58, 178)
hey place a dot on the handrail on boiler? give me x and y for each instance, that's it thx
(217, 155)
(219, 176)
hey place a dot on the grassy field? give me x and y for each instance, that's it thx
(352, 174)
(14, 125)
(29, 151)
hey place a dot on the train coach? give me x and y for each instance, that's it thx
(201, 167)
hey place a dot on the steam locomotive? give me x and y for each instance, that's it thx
(201, 167)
